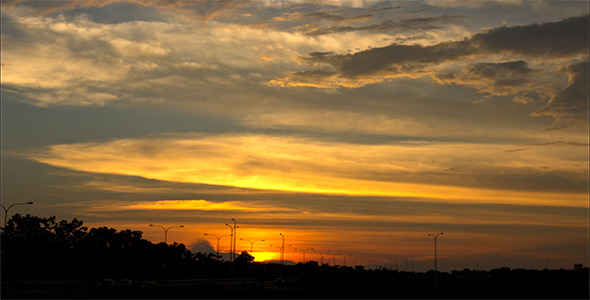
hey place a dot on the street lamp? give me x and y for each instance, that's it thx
(232, 243)
(321, 256)
(251, 244)
(6, 210)
(218, 237)
(166, 230)
(435, 236)
(280, 250)
(328, 253)
(334, 258)
(283, 249)
(303, 250)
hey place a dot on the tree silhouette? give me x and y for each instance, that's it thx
(244, 258)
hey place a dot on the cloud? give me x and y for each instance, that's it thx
(333, 121)
(538, 43)
(570, 103)
(561, 39)
(201, 205)
(536, 40)
(201, 8)
(281, 163)
(202, 246)
(335, 17)
(339, 210)
(395, 26)
(71, 60)
(569, 143)
(512, 79)
(393, 59)
(472, 4)
(498, 71)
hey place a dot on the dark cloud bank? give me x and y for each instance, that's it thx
(565, 39)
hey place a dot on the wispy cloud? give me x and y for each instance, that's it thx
(570, 103)
(416, 169)
(200, 205)
(282, 211)
(393, 26)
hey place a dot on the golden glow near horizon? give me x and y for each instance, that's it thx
(352, 127)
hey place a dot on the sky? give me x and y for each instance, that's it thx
(353, 127)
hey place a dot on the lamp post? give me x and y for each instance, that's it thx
(280, 250)
(252, 244)
(321, 256)
(435, 236)
(283, 249)
(303, 250)
(218, 237)
(327, 254)
(232, 246)
(7, 208)
(166, 230)
(231, 241)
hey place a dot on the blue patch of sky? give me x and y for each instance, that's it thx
(25, 126)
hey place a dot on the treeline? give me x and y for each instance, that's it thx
(43, 248)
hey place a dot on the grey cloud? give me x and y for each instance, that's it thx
(567, 37)
(507, 73)
(204, 8)
(507, 178)
(401, 58)
(419, 10)
(385, 8)
(423, 23)
(505, 78)
(428, 23)
(569, 143)
(202, 246)
(557, 39)
(340, 17)
(334, 17)
(314, 74)
(556, 128)
(571, 103)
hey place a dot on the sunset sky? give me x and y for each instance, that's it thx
(349, 126)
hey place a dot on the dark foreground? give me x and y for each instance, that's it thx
(511, 284)
(46, 258)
